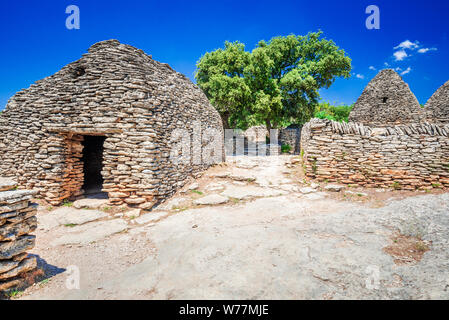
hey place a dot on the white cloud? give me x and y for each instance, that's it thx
(407, 44)
(406, 71)
(386, 64)
(372, 68)
(400, 55)
(397, 69)
(360, 76)
(424, 50)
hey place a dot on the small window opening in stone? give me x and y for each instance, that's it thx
(384, 100)
(79, 71)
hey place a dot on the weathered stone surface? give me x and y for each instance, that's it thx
(211, 200)
(6, 265)
(10, 210)
(147, 205)
(11, 197)
(151, 217)
(315, 196)
(9, 249)
(245, 192)
(134, 201)
(91, 232)
(10, 232)
(333, 187)
(119, 92)
(134, 213)
(7, 184)
(8, 284)
(360, 194)
(243, 177)
(307, 190)
(174, 203)
(193, 186)
(90, 203)
(25, 265)
(68, 216)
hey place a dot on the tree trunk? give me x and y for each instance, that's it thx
(225, 120)
(268, 124)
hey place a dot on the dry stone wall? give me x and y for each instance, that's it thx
(17, 221)
(404, 156)
(115, 91)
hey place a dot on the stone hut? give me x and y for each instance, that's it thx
(437, 108)
(390, 141)
(386, 100)
(110, 122)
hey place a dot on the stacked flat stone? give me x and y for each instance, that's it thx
(414, 156)
(115, 91)
(17, 221)
(386, 101)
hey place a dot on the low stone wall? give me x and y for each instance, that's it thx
(405, 156)
(17, 221)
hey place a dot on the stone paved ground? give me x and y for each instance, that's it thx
(252, 229)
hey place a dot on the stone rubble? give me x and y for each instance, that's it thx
(17, 221)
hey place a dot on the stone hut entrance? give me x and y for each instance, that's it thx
(93, 164)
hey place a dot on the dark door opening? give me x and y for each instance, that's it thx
(93, 164)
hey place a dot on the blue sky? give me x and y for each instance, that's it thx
(413, 36)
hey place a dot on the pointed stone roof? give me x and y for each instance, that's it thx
(437, 108)
(117, 70)
(103, 81)
(386, 100)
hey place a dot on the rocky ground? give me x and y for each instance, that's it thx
(252, 228)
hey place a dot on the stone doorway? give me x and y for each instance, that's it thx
(93, 164)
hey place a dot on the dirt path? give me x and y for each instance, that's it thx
(252, 229)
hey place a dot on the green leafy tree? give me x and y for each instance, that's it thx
(275, 84)
(337, 113)
(220, 74)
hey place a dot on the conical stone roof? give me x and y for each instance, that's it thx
(437, 108)
(386, 100)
